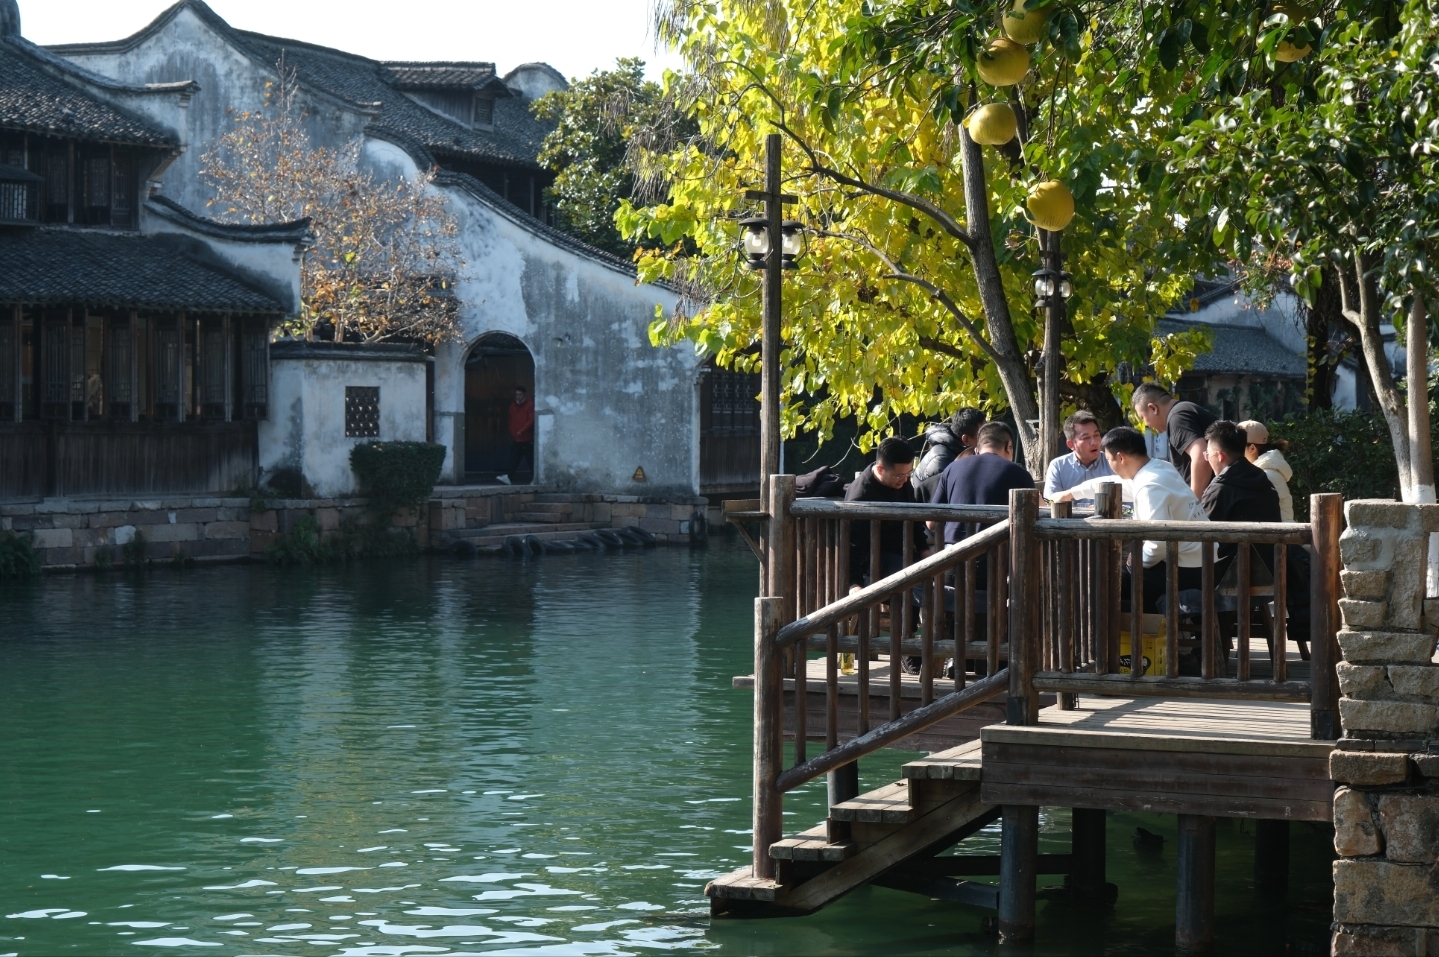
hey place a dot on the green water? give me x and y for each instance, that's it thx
(445, 757)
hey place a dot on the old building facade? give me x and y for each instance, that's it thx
(538, 308)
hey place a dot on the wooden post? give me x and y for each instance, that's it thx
(770, 343)
(1194, 896)
(1326, 520)
(1024, 582)
(1065, 619)
(768, 733)
(1087, 880)
(1018, 868)
(1108, 504)
(781, 559)
(1271, 859)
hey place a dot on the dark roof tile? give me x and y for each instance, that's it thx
(115, 270)
(1241, 350)
(36, 98)
(440, 75)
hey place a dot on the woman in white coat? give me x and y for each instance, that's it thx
(1269, 456)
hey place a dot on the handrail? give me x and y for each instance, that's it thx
(1276, 533)
(897, 511)
(912, 723)
(927, 568)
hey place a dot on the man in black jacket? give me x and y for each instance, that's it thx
(944, 443)
(885, 480)
(1240, 491)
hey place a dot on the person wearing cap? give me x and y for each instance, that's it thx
(1269, 456)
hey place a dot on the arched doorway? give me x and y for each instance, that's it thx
(497, 364)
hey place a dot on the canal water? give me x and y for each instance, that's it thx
(448, 757)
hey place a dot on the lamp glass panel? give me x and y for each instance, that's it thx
(790, 246)
(756, 242)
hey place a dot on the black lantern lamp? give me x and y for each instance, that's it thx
(756, 241)
(1048, 283)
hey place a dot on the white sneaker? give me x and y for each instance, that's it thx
(502, 479)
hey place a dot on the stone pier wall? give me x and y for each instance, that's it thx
(72, 534)
(1386, 806)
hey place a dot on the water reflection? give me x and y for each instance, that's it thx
(433, 757)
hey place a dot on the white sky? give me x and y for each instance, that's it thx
(574, 36)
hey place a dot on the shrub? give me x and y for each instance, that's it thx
(1346, 452)
(396, 475)
(18, 558)
(306, 544)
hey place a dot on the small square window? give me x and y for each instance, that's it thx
(362, 412)
(484, 111)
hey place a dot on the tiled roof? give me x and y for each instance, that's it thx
(440, 76)
(115, 270)
(37, 97)
(1241, 350)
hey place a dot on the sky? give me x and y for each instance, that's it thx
(574, 36)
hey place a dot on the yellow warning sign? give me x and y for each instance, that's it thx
(639, 475)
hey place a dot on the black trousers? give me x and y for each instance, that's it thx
(520, 454)
(1156, 580)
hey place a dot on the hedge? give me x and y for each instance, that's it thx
(396, 475)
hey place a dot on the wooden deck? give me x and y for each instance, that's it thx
(1220, 759)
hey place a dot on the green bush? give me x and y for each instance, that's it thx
(18, 558)
(396, 475)
(1346, 452)
(305, 544)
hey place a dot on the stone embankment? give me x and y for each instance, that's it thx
(75, 534)
(1386, 805)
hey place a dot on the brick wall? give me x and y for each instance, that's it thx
(1386, 807)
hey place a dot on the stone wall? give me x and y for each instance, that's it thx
(1386, 808)
(73, 534)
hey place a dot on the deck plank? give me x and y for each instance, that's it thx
(886, 805)
(962, 763)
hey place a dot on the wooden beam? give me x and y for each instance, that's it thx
(768, 734)
(1194, 895)
(1257, 533)
(898, 512)
(1018, 871)
(971, 893)
(1226, 688)
(1326, 512)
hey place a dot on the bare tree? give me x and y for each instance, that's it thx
(386, 251)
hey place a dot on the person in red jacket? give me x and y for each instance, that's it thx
(522, 434)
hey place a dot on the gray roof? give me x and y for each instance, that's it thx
(42, 95)
(101, 269)
(376, 86)
(1241, 350)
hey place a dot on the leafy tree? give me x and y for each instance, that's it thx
(915, 294)
(595, 120)
(386, 252)
(1330, 167)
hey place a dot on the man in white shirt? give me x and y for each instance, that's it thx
(1161, 495)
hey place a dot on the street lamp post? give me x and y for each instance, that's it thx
(1052, 289)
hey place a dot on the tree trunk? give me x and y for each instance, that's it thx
(1321, 320)
(1421, 458)
(1097, 397)
(1362, 305)
(1013, 373)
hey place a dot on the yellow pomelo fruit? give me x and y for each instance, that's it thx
(1026, 26)
(993, 124)
(1051, 205)
(1287, 52)
(1003, 62)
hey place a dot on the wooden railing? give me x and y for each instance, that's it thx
(1032, 604)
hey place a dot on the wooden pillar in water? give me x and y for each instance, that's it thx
(1087, 880)
(1194, 896)
(1271, 859)
(1019, 843)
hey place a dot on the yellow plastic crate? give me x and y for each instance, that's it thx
(1153, 647)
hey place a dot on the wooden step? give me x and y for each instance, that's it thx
(741, 886)
(812, 845)
(956, 764)
(886, 805)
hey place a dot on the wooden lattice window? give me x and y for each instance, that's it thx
(362, 412)
(9, 365)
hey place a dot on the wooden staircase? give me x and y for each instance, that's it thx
(889, 836)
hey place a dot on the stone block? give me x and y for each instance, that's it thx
(1379, 513)
(1362, 681)
(1355, 834)
(1364, 614)
(6, 524)
(1368, 769)
(146, 517)
(1411, 827)
(1371, 585)
(1406, 583)
(1361, 940)
(1382, 892)
(660, 526)
(46, 538)
(603, 512)
(122, 534)
(225, 531)
(1386, 647)
(69, 520)
(622, 510)
(1394, 717)
(1361, 551)
(681, 513)
(329, 518)
(186, 532)
(198, 515)
(28, 523)
(1416, 680)
(1431, 614)
(90, 538)
(1428, 764)
(266, 521)
(231, 514)
(57, 558)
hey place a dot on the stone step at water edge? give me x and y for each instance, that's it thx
(563, 508)
(491, 535)
(542, 518)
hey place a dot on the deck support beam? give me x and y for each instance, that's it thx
(843, 783)
(1194, 896)
(1018, 871)
(1271, 859)
(1087, 880)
